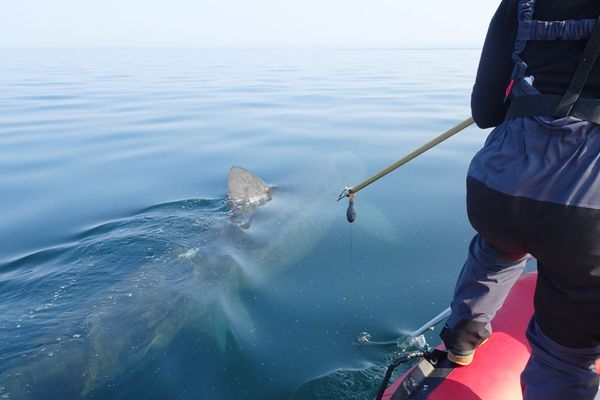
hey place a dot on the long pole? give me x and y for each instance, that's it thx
(365, 338)
(434, 321)
(432, 143)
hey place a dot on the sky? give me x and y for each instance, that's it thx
(245, 23)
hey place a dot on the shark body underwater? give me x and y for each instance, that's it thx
(175, 266)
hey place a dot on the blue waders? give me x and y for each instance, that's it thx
(534, 191)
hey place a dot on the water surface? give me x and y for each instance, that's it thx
(122, 271)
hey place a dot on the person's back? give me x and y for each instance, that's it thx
(552, 63)
(534, 190)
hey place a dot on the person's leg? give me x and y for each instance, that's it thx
(555, 372)
(565, 338)
(495, 261)
(483, 284)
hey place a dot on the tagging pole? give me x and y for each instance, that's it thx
(350, 191)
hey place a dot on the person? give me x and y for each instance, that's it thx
(533, 191)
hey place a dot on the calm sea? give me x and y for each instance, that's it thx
(125, 274)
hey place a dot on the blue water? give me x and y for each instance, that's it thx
(125, 274)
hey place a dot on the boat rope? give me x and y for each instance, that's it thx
(405, 357)
(351, 190)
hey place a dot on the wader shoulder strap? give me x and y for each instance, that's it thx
(584, 68)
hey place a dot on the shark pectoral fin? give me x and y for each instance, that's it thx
(241, 323)
(215, 326)
(375, 223)
(228, 318)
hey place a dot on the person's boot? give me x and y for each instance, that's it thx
(464, 359)
(462, 341)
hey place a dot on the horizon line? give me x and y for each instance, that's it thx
(241, 48)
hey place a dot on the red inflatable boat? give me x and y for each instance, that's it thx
(495, 371)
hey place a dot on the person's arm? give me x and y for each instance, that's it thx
(495, 67)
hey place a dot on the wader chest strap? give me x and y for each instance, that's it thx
(545, 105)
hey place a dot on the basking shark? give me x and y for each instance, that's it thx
(195, 258)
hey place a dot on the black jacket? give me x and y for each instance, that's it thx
(551, 63)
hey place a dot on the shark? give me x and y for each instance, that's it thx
(207, 253)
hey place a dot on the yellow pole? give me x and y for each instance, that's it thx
(432, 143)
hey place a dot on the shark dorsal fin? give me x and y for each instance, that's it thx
(246, 189)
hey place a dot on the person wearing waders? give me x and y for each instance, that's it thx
(533, 190)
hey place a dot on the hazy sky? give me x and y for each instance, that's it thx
(245, 23)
